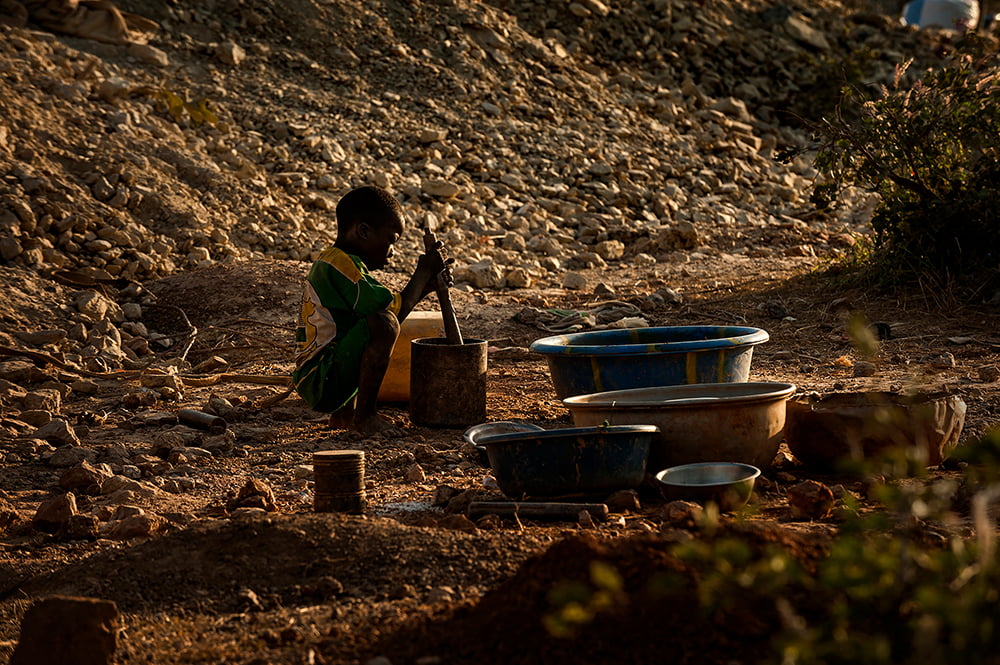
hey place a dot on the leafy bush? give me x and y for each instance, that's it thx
(896, 586)
(932, 152)
(892, 590)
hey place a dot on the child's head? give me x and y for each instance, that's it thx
(369, 222)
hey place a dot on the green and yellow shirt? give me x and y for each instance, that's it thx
(338, 295)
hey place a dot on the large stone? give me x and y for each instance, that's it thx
(230, 53)
(610, 250)
(21, 372)
(10, 248)
(43, 399)
(432, 135)
(67, 456)
(118, 484)
(10, 392)
(57, 432)
(79, 527)
(810, 500)
(574, 281)
(35, 417)
(41, 337)
(62, 630)
(135, 526)
(52, 514)
(799, 30)
(8, 515)
(161, 381)
(149, 54)
(84, 478)
(482, 275)
(681, 236)
(94, 306)
(442, 189)
(255, 493)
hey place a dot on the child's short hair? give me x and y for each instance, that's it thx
(368, 204)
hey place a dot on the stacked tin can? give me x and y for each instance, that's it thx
(339, 481)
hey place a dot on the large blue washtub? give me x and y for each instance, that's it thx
(603, 360)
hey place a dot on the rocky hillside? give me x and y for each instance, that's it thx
(542, 136)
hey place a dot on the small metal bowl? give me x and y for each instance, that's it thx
(728, 484)
(477, 432)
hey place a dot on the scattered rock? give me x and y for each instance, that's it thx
(149, 54)
(574, 281)
(443, 494)
(415, 474)
(863, 368)
(71, 455)
(810, 500)
(681, 514)
(460, 502)
(456, 522)
(230, 53)
(41, 337)
(988, 373)
(57, 432)
(624, 501)
(135, 526)
(54, 513)
(941, 361)
(775, 308)
(79, 527)
(83, 479)
(254, 494)
(440, 188)
(60, 630)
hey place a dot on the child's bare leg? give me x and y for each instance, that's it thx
(384, 329)
(343, 418)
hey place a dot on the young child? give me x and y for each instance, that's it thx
(350, 321)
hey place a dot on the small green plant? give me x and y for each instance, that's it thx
(197, 111)
(931, 150)
(578, 603)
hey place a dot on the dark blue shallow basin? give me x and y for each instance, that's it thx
(473, 435)
(603, 360)
(581, 461)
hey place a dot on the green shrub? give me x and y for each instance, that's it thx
(932, 152)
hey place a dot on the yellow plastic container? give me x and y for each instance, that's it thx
(396, 384)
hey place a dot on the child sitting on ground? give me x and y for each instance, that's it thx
(349, 320)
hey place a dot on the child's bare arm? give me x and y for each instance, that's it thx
(424, 279)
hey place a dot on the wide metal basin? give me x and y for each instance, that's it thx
(712, 422)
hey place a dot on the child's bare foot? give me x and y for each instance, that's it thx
(376, 425)
(343, 419)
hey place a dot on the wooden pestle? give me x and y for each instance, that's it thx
(451, 329)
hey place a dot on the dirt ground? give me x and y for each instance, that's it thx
(566, 128)
(406, 580)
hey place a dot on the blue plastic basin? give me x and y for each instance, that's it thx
(603, 360)
(580, 461)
